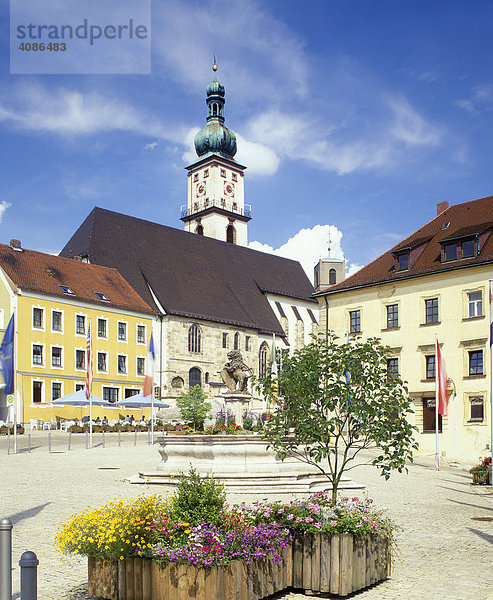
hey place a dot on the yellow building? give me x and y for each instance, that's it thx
(54, 301)
(433, 283)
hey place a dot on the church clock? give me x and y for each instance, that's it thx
(229, 189)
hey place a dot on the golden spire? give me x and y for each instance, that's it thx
(214, 66)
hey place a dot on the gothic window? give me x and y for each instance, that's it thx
(199, 230)
(194, 377)
(332, 276)
(194, 339)
(262, 359)
(236, 345)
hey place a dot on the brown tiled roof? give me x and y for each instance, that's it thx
(191, 275)
(44, 273)
(468, 218)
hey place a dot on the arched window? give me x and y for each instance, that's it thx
(199, 230)
(231, 234)
(194, 377)
(332, 276)
(236, 345)
(262, 359)
(194, 339)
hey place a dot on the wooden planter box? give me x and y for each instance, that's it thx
(338, 564)
(5, 430)
(76, 429)
(482, 478)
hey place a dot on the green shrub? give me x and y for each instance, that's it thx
(199, 498)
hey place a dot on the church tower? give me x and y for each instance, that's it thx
(216, 206)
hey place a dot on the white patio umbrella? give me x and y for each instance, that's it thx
(141, 401)
(79, 399)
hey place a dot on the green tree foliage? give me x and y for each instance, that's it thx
(194, 407)
(332, 401)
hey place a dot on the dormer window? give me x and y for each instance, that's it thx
(468, 248)
(450, 251)
(403, 261)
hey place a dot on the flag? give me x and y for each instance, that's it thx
(7, 357)
(89, 364)
(441, 381)
(149, 378)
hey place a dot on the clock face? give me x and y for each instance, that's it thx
(200, 190)
(229, 189)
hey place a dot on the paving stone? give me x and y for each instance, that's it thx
(441, 552)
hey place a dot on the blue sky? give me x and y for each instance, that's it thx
(360, 115)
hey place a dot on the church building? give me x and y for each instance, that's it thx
(211, 293)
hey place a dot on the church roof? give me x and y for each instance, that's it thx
(47, 274)
(191, 275)
(473, 220)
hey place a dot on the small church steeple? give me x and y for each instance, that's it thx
(216, 205)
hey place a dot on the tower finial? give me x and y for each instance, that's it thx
(330, 243)
(214, 66)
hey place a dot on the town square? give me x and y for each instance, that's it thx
(246, 300)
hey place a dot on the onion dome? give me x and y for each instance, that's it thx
(215, 137)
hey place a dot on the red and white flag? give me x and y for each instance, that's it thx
(149, 378)
(441, 381)
(89, 364)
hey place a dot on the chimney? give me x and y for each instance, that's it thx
(441, 206)
(16, 245)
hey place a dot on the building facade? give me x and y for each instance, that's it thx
(434, 283)
(55, 300)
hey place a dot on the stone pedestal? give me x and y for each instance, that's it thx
(237, 403)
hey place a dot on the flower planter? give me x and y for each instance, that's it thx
(76, 429)
(481, 478)
(337, 564)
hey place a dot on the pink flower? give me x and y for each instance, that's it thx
(290, 517)
(333, 523)
(308, 520)
(280, 511)
(298, 519)
(317, 525)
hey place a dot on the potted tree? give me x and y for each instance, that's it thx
(481, 473)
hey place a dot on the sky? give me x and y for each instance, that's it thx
(352, 116)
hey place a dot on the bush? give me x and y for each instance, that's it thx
(199, 499)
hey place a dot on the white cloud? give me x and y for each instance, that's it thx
(3, 207)
(68, 112)
(411, 128)
(150, 146)
(308, 246)
(481, 99)
(270, 53)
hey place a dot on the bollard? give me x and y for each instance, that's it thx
(8, 437)
(135, 439)
(29, 576)
(29, 447)
(69, 439)
(49, 441)
(87, 444)
(5, 559)
(103, 438)
(119, 440)
(148, 437)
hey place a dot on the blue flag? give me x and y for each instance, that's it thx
(7, 357)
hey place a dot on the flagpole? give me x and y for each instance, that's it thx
(437, 455)
(89, 380)
(491, 366)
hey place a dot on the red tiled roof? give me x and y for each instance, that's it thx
(466, 219)
(44, 273)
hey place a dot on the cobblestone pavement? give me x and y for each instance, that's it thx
(443, 552)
